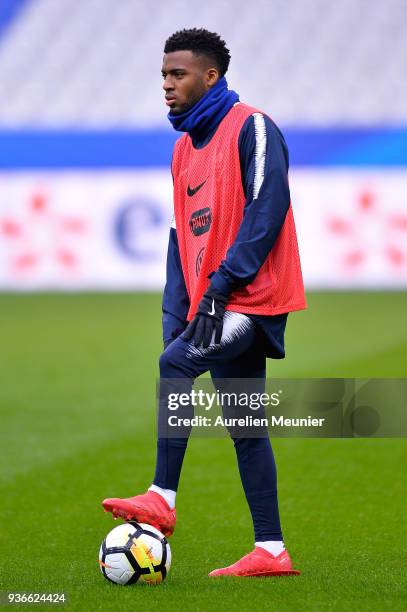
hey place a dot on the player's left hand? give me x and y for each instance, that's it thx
(208, 319)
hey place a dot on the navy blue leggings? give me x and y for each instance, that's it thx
(237, 356)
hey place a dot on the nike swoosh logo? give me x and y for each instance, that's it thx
(192, 191)
(212, 312)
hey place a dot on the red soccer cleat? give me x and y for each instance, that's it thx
(149, 508)
(259, 562)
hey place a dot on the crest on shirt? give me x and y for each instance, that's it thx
(198, 261)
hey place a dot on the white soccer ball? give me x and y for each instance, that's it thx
(135, 553)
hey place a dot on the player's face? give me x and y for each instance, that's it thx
(187, 77)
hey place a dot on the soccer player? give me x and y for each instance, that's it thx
(233, 275)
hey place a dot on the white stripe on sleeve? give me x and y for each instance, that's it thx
(260, 153)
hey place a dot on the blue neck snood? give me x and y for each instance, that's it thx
(207, 113)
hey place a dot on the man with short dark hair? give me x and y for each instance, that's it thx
(233, 275)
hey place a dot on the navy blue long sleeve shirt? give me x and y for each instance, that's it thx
(263, 218)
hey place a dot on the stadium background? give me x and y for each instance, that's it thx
(85, 208)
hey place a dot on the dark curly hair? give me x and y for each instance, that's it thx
(200, 42)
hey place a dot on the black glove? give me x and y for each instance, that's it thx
(209, 318)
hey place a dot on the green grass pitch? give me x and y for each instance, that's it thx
(77, 424)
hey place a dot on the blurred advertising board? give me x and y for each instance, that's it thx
(79, 229)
